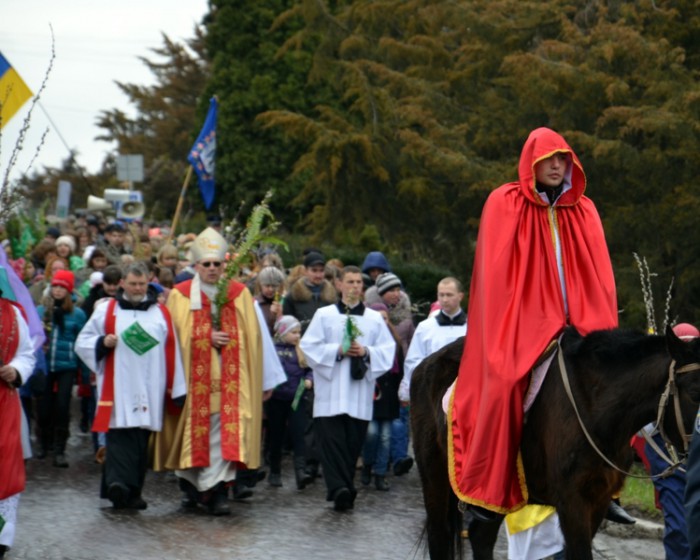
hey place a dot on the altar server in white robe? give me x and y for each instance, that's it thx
(435, 332)
(348, 347)
(131, 343)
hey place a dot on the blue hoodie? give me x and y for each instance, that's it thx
(375, 259)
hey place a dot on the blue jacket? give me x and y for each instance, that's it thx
(692, 492)
(60, 355)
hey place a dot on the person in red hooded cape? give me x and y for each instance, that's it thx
(541, 264)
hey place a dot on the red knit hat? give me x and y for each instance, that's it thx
(63, 278)
(686, 331)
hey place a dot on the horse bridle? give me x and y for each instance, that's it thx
(671, 390)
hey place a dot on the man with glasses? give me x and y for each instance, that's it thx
(218, 432)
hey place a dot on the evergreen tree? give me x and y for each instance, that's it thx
(166, 121)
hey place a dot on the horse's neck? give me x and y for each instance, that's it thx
(634, 396)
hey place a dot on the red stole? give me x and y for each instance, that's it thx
(12, 474)
(199, 386)
(516, 308)
(106, 402)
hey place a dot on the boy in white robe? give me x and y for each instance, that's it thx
(346, 361)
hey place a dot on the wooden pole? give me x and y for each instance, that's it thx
(179, 203)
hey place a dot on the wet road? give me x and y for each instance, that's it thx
(61, 517)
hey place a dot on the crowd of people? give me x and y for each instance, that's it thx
(178, 370)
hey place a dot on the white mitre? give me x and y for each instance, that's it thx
(209, 244)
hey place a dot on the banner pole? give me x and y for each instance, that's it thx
(179, 203)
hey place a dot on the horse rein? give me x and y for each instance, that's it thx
(670, 390)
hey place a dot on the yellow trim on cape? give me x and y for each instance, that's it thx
(453, 477)
(528, 517)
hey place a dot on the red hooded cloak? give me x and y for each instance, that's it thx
(517, 307)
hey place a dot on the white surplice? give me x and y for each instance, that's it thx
(139, 381)
(335, 392)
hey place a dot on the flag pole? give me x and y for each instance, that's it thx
(179, 203)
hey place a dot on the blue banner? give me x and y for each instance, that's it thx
(203, 154)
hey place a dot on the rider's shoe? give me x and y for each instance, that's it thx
(484, 515)
(617, 514)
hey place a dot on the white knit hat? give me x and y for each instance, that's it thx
(285, 324)
(96, 278)
(66, 240)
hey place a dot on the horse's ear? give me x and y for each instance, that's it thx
(679, 350)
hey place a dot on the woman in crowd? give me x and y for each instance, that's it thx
(62, 320)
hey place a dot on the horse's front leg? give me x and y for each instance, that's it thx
(577, 527)
(443, 519)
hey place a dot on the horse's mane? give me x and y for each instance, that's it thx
(613, 348)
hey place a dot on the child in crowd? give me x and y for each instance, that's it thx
(375, 454)
(283, 408)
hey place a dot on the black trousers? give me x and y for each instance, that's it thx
(54, 410)
(127, 459)
(281, 419)
(340, 440)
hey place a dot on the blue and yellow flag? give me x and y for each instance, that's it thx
(13, 91)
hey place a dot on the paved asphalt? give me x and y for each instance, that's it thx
(61, 517)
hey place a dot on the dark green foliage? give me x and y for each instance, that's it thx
(434, 100)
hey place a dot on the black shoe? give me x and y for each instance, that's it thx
(402, 466)
(118, 494)
(617, 514)
(312, 470)
(342, 499)
(241, 491)
(42, 453)
(275, 479)
(484, 515)
(188, 502)
(59, 460)
(380, 483)
(3, 550)
(136, 502)
(366, 475)
(303, 479)
(218, 505)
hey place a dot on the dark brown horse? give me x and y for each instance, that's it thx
(617, 378)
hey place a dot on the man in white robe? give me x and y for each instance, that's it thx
(346, 361)
(435, 332)
(130, 342)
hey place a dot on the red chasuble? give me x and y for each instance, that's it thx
(516, 307)
(199, 387)
(12, 475)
